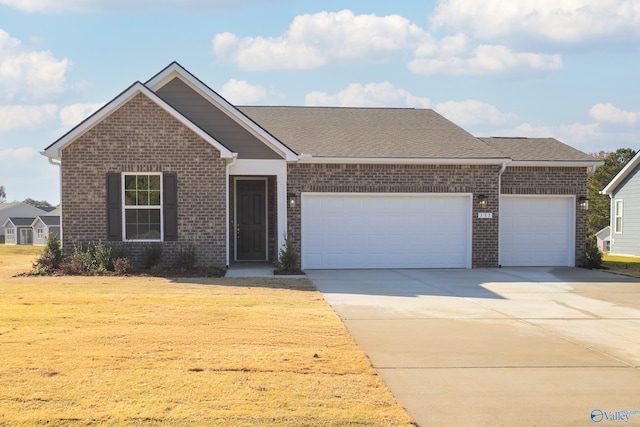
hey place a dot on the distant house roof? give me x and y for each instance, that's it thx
(49, 220)
(604, 233)
(620, 177)
(19, 221)
(538, 149)
(369, 133)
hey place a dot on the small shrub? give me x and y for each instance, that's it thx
(121, 266)
(73, 267)
(186, 259)
(50, 259)
(93, 257)
(287, 258)
(592, 256)
(151, 255)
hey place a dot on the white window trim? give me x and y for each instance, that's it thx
(617, 230)
(125, 208)
(11, 232)
(40, 233)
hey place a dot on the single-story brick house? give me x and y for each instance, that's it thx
(170, 161)
(624, 191)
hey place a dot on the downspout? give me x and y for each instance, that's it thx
(593, 170)
(229, 164)
(502, 169)
(59, 164)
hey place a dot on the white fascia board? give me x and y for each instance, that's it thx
(258, 167)
(626, 170)
(554, 163)
(55, 150)
(176, 70)
(403, 160)
(7, 221)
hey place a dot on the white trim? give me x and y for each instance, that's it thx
(55, 150)
(572, 244)
(266, 214)
(469, 197)
(555, 163)
(615, 216)
(176, 70)
(258, 167)
(124, 208)
(305, 158)
(620, 176)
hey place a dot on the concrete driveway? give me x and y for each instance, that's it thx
(498, 347)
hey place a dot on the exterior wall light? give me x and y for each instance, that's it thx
(583, 202)
(291, 199)
(482, 200)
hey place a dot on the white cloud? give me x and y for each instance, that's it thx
(487, 59)
(382, 94)
(473, 112)
(72, 115)
(557, 21)
(13, 117)
(241, 92)
(28, 74)
(313, 40)
(17, 154)
(47, 6)
(607, 113)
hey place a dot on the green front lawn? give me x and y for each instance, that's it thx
(629, 266)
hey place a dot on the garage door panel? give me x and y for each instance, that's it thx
(536, 231)
(386, 231)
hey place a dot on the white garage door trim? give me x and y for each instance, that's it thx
(335, 233)
(550, 223)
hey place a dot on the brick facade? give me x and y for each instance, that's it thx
(142, 137)
(379, 178)
(551, 181)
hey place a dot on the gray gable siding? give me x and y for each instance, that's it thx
(214, 122)
(627, 242)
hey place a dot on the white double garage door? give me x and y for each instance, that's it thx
(353, 230)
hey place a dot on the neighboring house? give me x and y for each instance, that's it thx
(43, 227)
(603, 239)
(624, 191)
(18, 231)
(172, 162)
(17, 209)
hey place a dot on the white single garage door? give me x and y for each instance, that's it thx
(537, 231)
(385, 231)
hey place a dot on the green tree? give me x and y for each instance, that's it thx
(3, 194)
(599, 204)
(37, 203)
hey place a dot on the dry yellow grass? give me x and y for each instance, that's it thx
(152, 351)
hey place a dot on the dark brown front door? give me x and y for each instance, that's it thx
(251, 220)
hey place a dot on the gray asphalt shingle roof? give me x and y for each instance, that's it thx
(537, 149)
(369, 132)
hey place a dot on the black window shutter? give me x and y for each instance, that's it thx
(170, 206)
(114, 207)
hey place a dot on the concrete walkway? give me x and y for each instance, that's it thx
(498, 347)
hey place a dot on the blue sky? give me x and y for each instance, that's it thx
(569, 69)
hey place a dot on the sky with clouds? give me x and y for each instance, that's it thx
(569, 69)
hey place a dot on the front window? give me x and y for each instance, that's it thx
(142, 207)
(40, 233)
(11, 233)
(617, 220)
